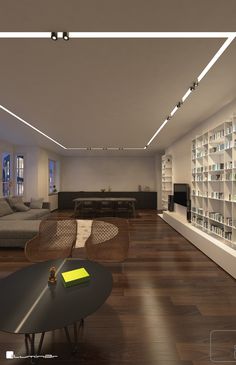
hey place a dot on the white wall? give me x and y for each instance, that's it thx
(181, 149)
(35, 170)
(96, 173)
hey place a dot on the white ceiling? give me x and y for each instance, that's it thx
(111, 92)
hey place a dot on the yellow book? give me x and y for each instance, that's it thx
(75, 277)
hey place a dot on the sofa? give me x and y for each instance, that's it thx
(19, 221)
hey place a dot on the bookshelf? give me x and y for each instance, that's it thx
(213, 192)
(166, 169)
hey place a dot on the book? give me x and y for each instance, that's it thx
(74, 277)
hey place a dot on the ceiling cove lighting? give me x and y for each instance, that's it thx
(196, 83)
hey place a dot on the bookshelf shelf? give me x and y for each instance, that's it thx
(166, 168)
(214, 181)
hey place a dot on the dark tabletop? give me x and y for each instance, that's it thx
(29, 305)
(109, 199)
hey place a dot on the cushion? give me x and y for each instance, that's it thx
(36, 203)
(21, 207)
(5, 208)
(17, 204)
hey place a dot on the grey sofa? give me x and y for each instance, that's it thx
(18, 227)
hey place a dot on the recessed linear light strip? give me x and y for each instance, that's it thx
(31, 126)
(192, 88)
(59, 144)
(119, 34)
(105, 148)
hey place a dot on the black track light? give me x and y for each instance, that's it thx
(65, 36)
(194, 85)
(54, 36)
(168, 118)
(179, 104)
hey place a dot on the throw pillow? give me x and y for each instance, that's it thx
(5, 208)
(36, 203)
(16, 202)
(21, 207)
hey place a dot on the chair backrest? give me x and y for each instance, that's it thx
(56, 239)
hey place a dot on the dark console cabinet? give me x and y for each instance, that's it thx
(144, 199)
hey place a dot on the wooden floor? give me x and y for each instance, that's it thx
(166, 299)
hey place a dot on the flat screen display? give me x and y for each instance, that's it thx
(181, 194)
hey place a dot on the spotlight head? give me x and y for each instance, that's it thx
(194, 85)
(169, 117)
(121, 148)
(65, 36)
(89, 149)
(104, 148)
(179, 104)
(54, 36)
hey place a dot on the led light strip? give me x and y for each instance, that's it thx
(230, 36)
(118, 34)
(191, 89)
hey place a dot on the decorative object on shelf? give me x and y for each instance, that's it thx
(102, 190)
(139, 188)
(52, 276)
(166, 165)
(146, 188)
(213, 182)
(54, 190)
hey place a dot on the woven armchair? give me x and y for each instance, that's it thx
(108, 242)
(55, 240)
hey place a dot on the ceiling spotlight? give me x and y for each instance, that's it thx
(121, 148)
(179, 104)
(194, 85)
(65, 36)
(89, 149)
(54, 36)
(169, 117)
(104, 148)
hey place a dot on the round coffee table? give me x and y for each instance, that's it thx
(29, 305)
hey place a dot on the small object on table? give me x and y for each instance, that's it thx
(52, 275)
(75, 277)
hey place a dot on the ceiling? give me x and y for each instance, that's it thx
(111, 92)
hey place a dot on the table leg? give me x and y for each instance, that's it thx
(133, 209)
(30, 346)
(74, 343)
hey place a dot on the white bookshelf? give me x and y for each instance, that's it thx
(213, 192)
(166, 169)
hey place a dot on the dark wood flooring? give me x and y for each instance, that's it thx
(167, 298)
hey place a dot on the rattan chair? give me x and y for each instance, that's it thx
(55, 240)
(108, 242)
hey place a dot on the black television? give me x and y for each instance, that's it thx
(181, 194)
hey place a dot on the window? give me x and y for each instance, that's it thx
(19, 175)
(52, 175)
(6, 174)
